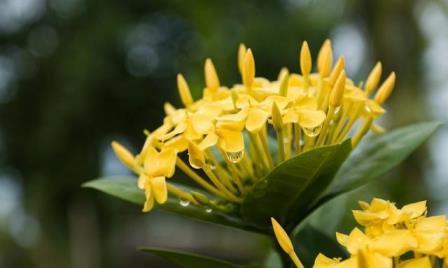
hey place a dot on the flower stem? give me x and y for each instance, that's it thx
(198, 179)
(181, 194)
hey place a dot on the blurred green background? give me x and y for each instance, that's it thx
(75, 74)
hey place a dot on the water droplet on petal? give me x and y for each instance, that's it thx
(312, 132)
(184, 203)
(235, 157)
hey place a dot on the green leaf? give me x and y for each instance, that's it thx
(125, 187)
(378, 155)
(189, 260)
(292, 186)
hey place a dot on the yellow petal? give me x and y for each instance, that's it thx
(190, 133)
(124, 155)
(211, 77)
(234, 122)
(323, 261)
(180, 128)
(369, 259)
(305, 59)
(374, 109)
(256, 119)
(161, 164)
(202, 123)
(209, 141)
(149, 202)
(342, 239)
(414, 210)
(178, 144)
(305, 101)
(356, 240)
(394, 243)
(290, 116)
(195, 156)
(230, 141)
(142, 179)
(423, 262)
(282, 237)
(310, 119)
(159, 189)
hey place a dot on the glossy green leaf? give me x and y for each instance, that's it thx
(378, 155)
(292, 186)
(189, 260)
(125, 187)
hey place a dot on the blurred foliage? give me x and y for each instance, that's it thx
(76, 74)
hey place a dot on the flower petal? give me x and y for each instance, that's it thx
(230, 141)
(159, 189)
(256, 119)
(311, 118)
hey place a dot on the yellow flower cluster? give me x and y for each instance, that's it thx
(392, 237)
(228, 132)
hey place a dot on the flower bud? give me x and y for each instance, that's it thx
(386, 89)
(338, 68)
(282, 237)
(124, 155)
(325, 59)
(338, 91)
(305, 59)
(184, 91)
(248, 69)
(373, 79)
(211, 77)
(241, 53)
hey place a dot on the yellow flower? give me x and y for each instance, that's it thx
(301, 109)
(157, 166)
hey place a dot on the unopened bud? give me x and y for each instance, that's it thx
(184, 91)
(124, 155)
(373, 79)
(241, 52)
(338, 68)
(325, 59)
(282, 237)
(305, 59)
(338, 91)
(211, 77)
(248, 69)
(386, 89)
